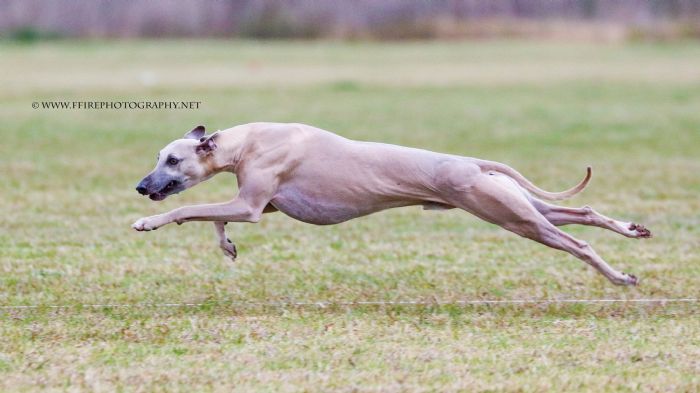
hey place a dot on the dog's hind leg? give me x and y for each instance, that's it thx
(559, 215)
(549, 235)
(497, 199)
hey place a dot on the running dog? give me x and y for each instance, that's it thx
(321, 178)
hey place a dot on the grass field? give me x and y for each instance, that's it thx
(632, 112)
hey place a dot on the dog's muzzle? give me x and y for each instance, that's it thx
(160, 194)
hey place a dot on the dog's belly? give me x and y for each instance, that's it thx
(315, 208)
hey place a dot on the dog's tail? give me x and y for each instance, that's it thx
(526, 184)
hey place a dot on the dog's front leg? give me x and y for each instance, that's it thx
(237, 210)
(229, 247)
(225, 243)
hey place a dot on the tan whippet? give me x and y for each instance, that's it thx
(321, 178)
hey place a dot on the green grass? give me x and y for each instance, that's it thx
(547, 109)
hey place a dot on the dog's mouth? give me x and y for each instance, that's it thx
(165, 191)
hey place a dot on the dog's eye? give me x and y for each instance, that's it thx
(173, 161)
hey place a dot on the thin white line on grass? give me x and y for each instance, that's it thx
(353, 303)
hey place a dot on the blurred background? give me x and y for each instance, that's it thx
(546, 86)
(608, 20)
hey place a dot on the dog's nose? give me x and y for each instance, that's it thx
(141, 190)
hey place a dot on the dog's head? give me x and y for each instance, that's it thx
(181, 164)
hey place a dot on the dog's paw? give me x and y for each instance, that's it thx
(639, 231)
(229, 249)
(144, 224)
(628, 279)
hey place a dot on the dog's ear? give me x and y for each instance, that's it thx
(207, 144)
(196, 133)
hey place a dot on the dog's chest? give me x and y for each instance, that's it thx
(314, 207)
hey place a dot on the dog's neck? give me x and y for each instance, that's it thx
(229, 147)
